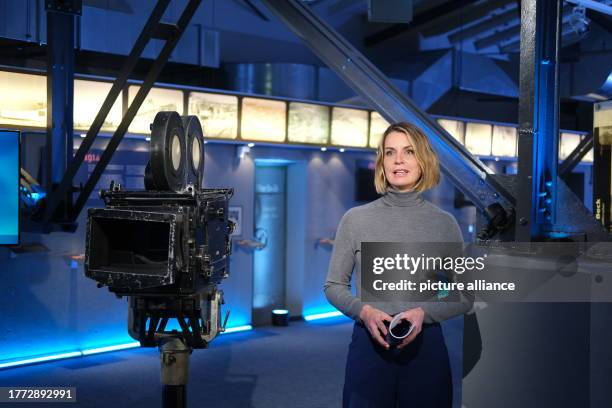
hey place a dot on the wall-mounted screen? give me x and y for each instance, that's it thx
(24, 99)
(308, 123)
(455, 128)
(378, 125)
(157, 100)
(478, 138)
(88, 98)
(504, 141)
(349, 127)
(263, 119)
(9, 187)
(218, 114)
(365, 190)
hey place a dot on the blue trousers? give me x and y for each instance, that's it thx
(417, 376)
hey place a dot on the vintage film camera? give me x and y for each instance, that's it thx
(166, 247)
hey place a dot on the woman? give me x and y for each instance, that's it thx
(416, 373)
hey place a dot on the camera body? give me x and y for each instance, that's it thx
(166, 247)
(150, 242)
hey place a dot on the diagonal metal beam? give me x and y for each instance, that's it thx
(59, 194)
(465, 171)
(576, 156)
(150, 29)
(485, 25)
(255, 10)
(149, 80)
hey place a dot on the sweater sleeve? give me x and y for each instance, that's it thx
(460, 302)
(337, 286)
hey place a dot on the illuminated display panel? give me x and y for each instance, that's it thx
(378, 125)
(308, 123)
(504, 141)
(567, 143)
(218, 114)
(157, 100)
(349, 127)
(263, 119)
(88, 98)
(9, 187)
(455, 128)
(23, 99)
(478, 138)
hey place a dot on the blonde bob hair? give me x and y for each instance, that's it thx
(425, 156)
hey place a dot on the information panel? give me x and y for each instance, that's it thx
(308, 123)
(218, 114)
(157, 100)
(23, 99)
(378, 125)
(349, 127)
(478, 138)
(88, 98)
(504, 141)
(263, 119)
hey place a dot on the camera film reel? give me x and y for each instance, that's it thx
(177, 153)
(195, 150)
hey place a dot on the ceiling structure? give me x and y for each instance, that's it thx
(469, 46)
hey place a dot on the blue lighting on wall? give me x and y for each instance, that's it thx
(116, 347)
(41, 359)
(318, 316)
(238, 329)
(92, 351)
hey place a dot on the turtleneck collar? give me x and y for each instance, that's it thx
(397, 198)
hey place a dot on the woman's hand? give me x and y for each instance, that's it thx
(415, 317)
(374, 320)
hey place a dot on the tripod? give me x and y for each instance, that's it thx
(198, 316)
(174, 355)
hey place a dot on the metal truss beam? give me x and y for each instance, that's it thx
(152, 28)
(468, 173)
(538, 117)
(60, 99)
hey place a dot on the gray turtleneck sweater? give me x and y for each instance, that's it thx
(395, 217)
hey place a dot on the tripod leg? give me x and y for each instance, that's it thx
(174, 396)
(174, 372)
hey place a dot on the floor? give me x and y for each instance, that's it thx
(262, 368)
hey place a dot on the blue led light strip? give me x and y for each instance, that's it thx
(318, 316)
(88, 352)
